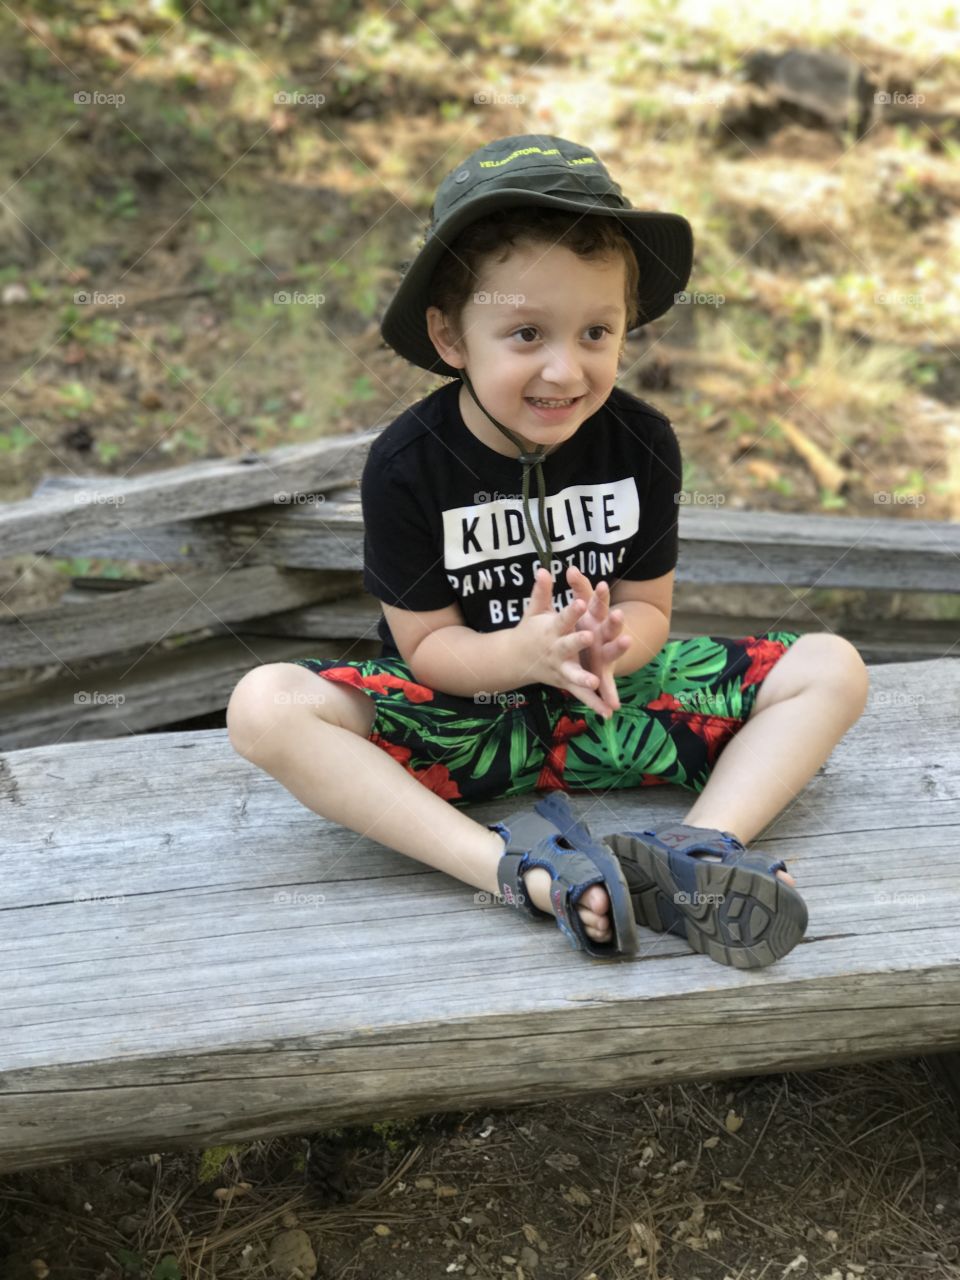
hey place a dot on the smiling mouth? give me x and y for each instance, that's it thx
(553, 404)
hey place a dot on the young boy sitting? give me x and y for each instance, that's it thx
(526, 637)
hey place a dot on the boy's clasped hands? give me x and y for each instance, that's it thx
(576, 648)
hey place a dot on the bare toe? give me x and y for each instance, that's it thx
(786, 877)
(594, 909)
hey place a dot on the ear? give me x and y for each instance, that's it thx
(449, 345)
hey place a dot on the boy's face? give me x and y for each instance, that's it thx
(544, 324)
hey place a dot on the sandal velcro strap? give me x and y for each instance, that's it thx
(512, 889)
(686, 839)
(549, 836)
(572, 875)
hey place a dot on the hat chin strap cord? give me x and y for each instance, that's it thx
(529, 460)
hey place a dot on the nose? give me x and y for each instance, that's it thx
(563, 365)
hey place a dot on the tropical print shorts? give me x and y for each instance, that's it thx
(676, 715)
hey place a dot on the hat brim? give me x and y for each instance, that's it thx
(662, 242)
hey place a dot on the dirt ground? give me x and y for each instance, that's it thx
(841, 1174)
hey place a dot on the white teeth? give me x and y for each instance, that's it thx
(553, 404)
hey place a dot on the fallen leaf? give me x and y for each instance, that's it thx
(576, 1195)
(226, 1194)
(733, 1122)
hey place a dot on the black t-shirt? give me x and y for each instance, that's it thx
(443, 512)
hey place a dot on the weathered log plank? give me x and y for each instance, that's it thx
(746, 547)
(174, 606)
(193, 955)
(883, 640)
(133, 695)
(41, 524)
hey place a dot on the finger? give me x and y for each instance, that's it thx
(576, 641)
(611, 650)
(607, 690)
(590, 700)
(573, 611)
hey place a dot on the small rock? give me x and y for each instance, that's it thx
(289, 1219)
(129, 1225)
(292, 1251)
(39, 1268)
(15, 292)
(529, 1258)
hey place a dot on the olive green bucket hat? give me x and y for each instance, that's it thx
(534, 169)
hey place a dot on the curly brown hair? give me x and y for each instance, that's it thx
(590, 236)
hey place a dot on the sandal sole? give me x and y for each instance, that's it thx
(743, 918)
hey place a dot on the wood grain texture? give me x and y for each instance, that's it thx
(716, 545)
(42, 522)
(137, 693)
(145, 615)
(189, 954)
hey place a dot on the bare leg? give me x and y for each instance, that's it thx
(811, 697)
(335, 770)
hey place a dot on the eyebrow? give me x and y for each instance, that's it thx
(513, 312)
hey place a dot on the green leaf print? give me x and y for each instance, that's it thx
(697, 659)
(628, 744)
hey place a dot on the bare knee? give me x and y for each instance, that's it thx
(836, 665)
(261, 703)
(267, 698)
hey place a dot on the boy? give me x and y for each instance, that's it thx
(528, 651)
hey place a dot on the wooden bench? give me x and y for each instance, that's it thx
(191, 955)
